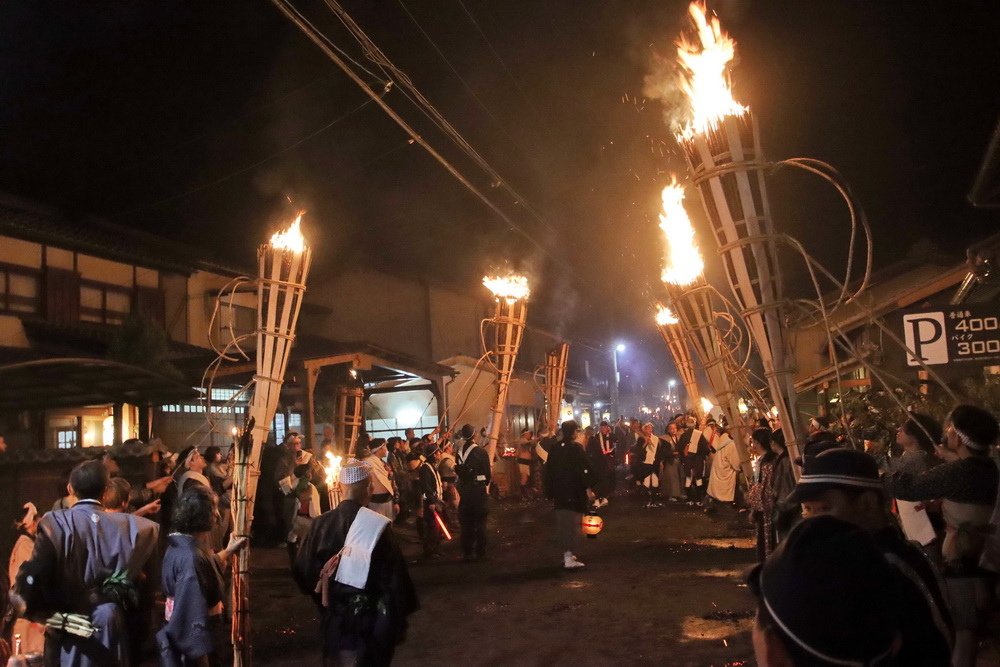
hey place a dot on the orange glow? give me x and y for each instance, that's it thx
(290, 239)
(440, 523)
(704, 78)
(665, 316)
(332, 468)
(512, 287)
(683, 262)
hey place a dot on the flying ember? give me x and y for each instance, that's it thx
(511, 287)
(290, 239)
(683, 262)
(665, 316)
(704, 64)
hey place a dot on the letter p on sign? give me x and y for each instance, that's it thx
(925, 338)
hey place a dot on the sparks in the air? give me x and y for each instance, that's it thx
(705, 62)
(683, 263)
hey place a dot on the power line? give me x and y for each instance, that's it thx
(500, 60)
(454, 71)
(376, 55)
(285, 7)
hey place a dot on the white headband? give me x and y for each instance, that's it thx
(967, 441)
(844, 480)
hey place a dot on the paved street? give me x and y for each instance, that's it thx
(662, 586)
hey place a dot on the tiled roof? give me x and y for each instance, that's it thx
(95, 237)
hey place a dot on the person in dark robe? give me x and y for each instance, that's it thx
(601, 452)
(364, 594)
(194, 584)
(86, 563)
(696, 451)
(431, 493)
(474, 477)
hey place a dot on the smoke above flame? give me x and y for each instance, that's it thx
(511, 287)
(683, 263)
(665, 316)
(704, 62)
(290, 239)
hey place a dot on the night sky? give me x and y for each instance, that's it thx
(201, 121)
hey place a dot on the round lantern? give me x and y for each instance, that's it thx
(592, 525)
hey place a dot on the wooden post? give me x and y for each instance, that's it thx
(116, 422)
(312, 375)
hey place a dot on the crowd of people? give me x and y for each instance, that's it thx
(884, 556)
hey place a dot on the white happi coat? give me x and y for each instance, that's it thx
(725, 466)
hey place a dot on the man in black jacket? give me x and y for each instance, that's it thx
(568, 477)
(473, 470)
(601, 452)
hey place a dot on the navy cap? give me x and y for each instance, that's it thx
(837, 468)
(829, 591)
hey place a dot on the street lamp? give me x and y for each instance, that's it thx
(620, 347)
(671, 383)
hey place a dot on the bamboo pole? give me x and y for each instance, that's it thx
(673, 334)
(695, 308)
(556, 362)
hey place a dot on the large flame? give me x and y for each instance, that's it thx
(511, 287)
(665, 316)
(683, 262)
(704, 63)
(332, 468)
(290, 239)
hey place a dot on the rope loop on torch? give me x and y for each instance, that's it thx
(703, 173)
(276, 333)
(269, 282)
(258, 378)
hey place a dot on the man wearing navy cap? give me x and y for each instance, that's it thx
(844, 483)
(825, 597)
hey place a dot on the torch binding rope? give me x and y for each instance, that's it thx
(276, 334)
(269, 379)
(277, 282)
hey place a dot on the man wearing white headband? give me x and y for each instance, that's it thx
(967, 487)
(351, 566)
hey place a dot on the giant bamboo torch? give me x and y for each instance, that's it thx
(693, 302)
(511, 295)
(673, 335)
(556, 362)
(283, 266)
(722, 147)
(347, 423)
